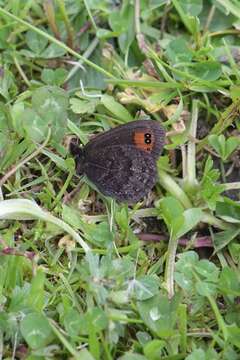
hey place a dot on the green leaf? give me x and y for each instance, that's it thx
(36, 330)
(210, 190)
(85, 355)
(36, 42)
(8, 87)
(197, 354)
(223, 238)
(36, 295)
(207, 270)
(191, 7)
(51, 103)
(191, 218)
(54, 77)
(154, 349)
(73, 322)
(98, 234)
(178, 221)
(228, 210)
(206, 288)
(53, 51)
(215, 143)
(190, 22)
(79, 106)
(96, 318)
(122, 22)
(77, 131)
(106, 34)
(229, 283)
(206, 70)
(159, 314)
(178, 51)
(119, 111)
(35, 126)
(231, 145)
(60, 162)
(222, 146)
(196, 276)
(184, 270)
(146, 287)
(71, 216)
(234, 335)
(171, 211)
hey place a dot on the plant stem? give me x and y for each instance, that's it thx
(63, 189)
(170, 263)
(90, 15)
(220, 321)
(85, 55)
(232, 186)
(191, 150)
(182, 311)
(21, 72)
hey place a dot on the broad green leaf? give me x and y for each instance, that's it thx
(191, 219)
(73, 322)
(79, 106)
(231, 145)
(98, 234)
(154, 349)
(206, 288)
(171, 210)
(97, 318)
(215, 143)
(178, 51)
(35, 126)
(36, 42)
(36, 330)
(118, 110)
(51, 103)
(229, 282)
(206, 70)
(54, 77)
(52, 51)
(159, 314)
(207, 270)
(146, 287)
(85, 355)
(36, 295)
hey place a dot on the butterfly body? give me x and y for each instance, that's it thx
(122, 161)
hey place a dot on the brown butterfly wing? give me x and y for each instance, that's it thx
(122, 172)
(132, 133)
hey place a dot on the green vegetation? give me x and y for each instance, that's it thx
(83, 277)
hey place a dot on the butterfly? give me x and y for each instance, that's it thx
(121, 162)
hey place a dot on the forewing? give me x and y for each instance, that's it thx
(122, 172)
(134, 133)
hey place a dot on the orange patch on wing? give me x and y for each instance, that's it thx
(144, 140)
